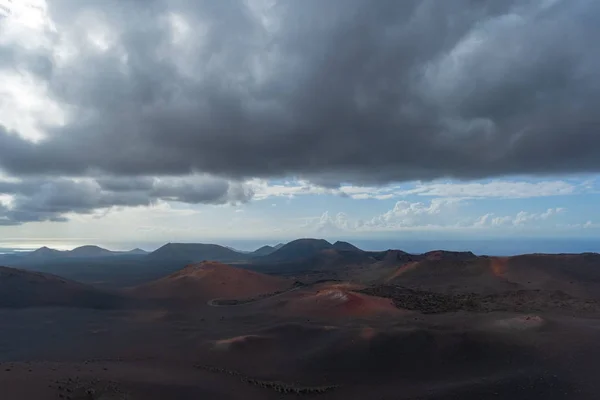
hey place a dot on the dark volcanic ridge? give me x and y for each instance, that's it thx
(196, 252)
(296, 250)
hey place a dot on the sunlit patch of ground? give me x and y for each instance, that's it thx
(368, 333)
(406, 267)
(338, 301)
(498, 266)
(238, 341)
(209, 280)
(522, 322)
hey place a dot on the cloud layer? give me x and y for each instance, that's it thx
(49, 200)
(103, 97)
(350, 91)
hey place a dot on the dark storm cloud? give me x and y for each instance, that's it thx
(126, 184)
(337, 91)
(49, 200)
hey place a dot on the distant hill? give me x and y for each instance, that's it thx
(395, 256)
(263, 251)
(45, 252)
(449, 255)
(137, 251)
(339, 245)
(297, 249)
(238, 250)
(196, 252)
(333, 260)
(90, 251)
(20, 288)
(210, 280)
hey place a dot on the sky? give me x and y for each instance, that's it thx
(129, 122)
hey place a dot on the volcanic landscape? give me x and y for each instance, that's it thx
(308, 318)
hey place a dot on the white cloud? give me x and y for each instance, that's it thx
(500, 221)
(24, 103)
(521, 219)
(407, 214)
(6, 200)
(469, 190)
(495, 189)
(438, 214)
(525, 217)
(368, 192)
(483, 220)
(25, 106)
(264, 190)
(26, 21)
(338, 223)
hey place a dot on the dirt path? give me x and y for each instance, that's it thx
(213, 303)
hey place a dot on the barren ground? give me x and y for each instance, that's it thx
(331, 340)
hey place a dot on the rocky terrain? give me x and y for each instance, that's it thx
(526, 301)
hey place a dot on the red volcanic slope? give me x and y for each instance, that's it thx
(471, 275)
(338, 301)
(210, 280)
(575, 274)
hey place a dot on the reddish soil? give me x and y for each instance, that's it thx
(403, 269)
(538, 345)
(577, 275)
(210, 280)
(368, 333)
(339, 300)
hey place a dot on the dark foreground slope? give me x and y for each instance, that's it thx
(20, 288)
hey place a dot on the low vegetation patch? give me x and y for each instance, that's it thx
(428, 302)
(278, 386)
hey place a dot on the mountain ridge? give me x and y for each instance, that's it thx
(196, 252)
(297, 249)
